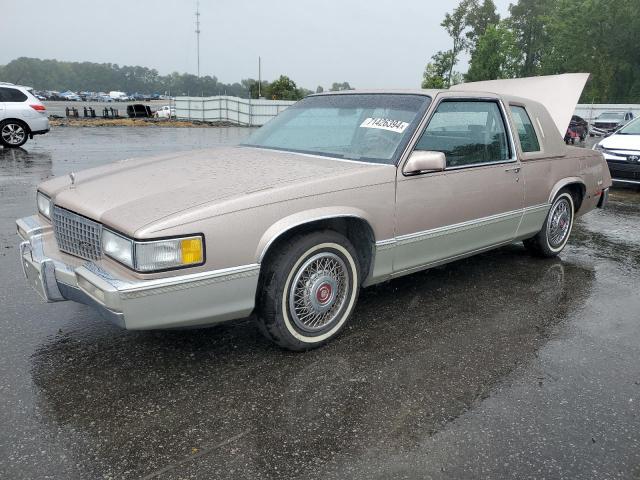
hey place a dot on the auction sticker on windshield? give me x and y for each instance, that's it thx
(385, 124)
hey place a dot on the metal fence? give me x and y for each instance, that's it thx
(254, 113)
(222, 108)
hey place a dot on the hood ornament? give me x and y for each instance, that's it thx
(72, 176)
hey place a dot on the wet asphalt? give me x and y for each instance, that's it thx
(498, 366)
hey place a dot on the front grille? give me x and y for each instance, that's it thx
(76, 234)
(624, 170)
(606, 126)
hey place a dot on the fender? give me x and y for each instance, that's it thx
(560, 184)
(307, 216)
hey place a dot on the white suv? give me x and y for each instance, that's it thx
(22, 115)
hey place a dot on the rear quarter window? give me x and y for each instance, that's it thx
(11, 95)
(527, 134)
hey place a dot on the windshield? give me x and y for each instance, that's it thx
(631, 128)
(611, 116)
(366, 127)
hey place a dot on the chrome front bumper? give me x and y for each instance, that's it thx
(601, 132)
(187, 300)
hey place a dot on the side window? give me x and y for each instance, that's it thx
(467, 132)
(528, 138)
(11, 95)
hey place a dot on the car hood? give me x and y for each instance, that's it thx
(607, 121)
(130, 194)
(622, 142)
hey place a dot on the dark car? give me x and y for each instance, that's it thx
(139, 110)
(609, 122)
(578, 130)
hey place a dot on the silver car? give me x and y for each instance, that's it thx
(22, 115)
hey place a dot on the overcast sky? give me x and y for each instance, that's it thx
(371, 43)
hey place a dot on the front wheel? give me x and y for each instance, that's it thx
(309, 289)
(13, 134)
(553, 237)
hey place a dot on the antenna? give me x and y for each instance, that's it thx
(198, 34)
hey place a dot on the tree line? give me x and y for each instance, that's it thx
(545, 37)
(105, 77)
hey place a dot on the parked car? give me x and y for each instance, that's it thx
(118, 96)
(165, 111)
(338, 192)
(138, 110)
(22, 115)
(621, 150)
(577, 131)
(70, 96)
(609, 122)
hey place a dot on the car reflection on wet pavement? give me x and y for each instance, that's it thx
(496, 366)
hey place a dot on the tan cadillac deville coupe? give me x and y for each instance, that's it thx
(339, 192)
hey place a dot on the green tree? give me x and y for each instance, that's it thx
(437, 74)
(94, 77)
(283, 89)
(319, 89)
(455, 24)
(495, 56)
(337, 87)
(479, 18)
(609, 52)
(529, 22)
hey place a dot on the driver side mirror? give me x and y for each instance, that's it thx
(425, 161)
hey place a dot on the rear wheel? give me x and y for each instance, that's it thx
(13, 133)
(309, 289)
(553, 237)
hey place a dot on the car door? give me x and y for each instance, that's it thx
(3, 110)
(475, 203)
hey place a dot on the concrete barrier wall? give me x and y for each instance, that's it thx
(222, 108)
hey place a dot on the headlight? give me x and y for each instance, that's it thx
(118, 247)
(44, 204)
(166, 254)
(605, 151)
(154, 255)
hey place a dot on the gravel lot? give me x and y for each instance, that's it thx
(498, 366)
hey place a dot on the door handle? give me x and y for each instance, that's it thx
(512, 169)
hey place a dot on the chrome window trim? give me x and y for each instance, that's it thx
(424, 124)
(485, 164)
(538, 135)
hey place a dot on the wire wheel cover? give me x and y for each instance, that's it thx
(318, 292)
(559, 223)
(13, 134)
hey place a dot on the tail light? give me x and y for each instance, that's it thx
(39, 108)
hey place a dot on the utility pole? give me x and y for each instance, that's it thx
(198, 34)
(259, 76)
